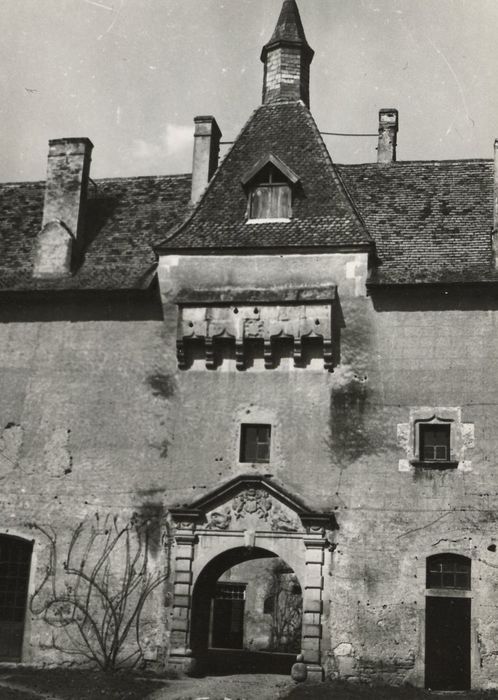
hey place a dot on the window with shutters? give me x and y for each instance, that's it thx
(270, 186)
(270, 195)
(255, 443)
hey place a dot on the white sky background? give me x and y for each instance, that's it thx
(132, 74)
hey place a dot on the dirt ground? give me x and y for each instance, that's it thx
(70, 684)
(350, 691)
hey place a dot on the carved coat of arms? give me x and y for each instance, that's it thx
(252, 502)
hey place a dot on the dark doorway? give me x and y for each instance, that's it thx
(228, 616)
(447, 643)
(15, 560)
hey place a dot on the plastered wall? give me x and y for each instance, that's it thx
(338, 440)
(84, 432)
(96, 417)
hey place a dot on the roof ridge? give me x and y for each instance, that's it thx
(384, 166)
(118, 178)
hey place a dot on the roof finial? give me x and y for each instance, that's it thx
(287, 57)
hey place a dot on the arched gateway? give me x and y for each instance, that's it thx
(249, 514)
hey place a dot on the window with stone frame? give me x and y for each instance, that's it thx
(434, 442)
(255, 443)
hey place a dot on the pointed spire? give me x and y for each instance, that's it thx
(289, 28)
(287, 57)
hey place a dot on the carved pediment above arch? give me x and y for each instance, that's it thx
(256, 503)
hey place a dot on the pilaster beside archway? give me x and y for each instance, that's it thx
(251, 513)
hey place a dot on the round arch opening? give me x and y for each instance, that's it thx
(247, 608)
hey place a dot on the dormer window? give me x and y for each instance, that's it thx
(269, 187)
(270, 196)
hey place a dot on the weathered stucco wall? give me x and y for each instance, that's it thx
(340, 441)
(96, 417)
(84, 412)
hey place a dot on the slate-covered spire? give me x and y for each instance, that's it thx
(287, 58)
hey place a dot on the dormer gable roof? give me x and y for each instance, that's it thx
(323, 213)
(287, 172)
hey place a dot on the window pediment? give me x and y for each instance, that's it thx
(263, 163)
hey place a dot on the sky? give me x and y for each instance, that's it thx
(132, 74)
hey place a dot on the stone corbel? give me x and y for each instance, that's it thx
(328, 354)
(209, 352)
(268, 353)
(266, 323)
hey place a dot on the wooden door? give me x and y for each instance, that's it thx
(447, 643)
(227, 631)
(15, 560)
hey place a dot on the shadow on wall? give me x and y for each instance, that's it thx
(80, 307)
(435, 298)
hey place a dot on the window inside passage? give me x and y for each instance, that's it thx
(434, 442)
(255, 443)
(230, 591)
(271, 196)
(448, 571)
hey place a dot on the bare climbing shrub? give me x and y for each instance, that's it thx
(285, 603)
(95, 593)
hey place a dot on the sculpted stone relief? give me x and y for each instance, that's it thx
(268, 323)
(253, 507)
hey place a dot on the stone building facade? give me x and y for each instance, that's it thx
(277, 356)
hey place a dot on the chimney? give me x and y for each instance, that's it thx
(495, 192)
(207, 137)
(495, 206)
(60, 238)
(388, 130)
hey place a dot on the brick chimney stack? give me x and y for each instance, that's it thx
(207, 137)
(287, 58)
(495, 205)
(61, 235)
(388, 134)
(495, 192)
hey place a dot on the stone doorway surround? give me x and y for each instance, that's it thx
(256, 513)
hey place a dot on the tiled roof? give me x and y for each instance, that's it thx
(431, 221)
(126, 218)
(289, 27)
(322, 212)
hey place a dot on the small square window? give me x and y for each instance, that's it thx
(255, 443)
(434, 442)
